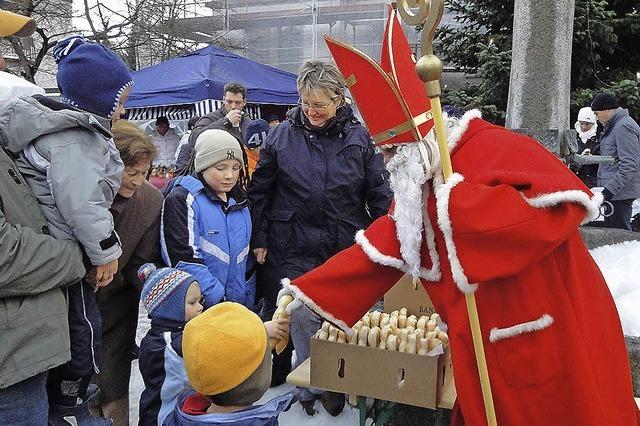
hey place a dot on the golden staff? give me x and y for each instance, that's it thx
(429, 69)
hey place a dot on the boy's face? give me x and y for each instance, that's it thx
(192, 305)
(222, 176)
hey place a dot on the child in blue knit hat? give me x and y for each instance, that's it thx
(67, 155)
(172, 298)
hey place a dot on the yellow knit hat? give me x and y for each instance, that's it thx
(222, 347)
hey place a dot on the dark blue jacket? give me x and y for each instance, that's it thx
(258, 415)
(313, 189)
(162, 370)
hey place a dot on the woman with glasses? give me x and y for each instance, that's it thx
(318, 181)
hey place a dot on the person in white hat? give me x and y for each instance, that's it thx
(588, 143)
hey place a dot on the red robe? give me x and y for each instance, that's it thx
(507, 229)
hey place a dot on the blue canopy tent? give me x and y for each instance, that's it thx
(192, 85)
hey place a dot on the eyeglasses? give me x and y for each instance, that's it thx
(316, 106)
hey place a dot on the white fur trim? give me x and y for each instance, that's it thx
(462, 126)
(375, 255)
(382, 259)
(443, 190)
(592, 205)
(434, 273)
(527, 327)
(299, 294)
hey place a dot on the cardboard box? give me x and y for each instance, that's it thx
(418, 302)
(388, 375)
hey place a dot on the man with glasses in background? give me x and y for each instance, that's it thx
(231, 117)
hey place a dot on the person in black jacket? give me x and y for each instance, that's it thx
(318, 181)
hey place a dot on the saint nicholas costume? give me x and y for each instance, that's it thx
(504, 226)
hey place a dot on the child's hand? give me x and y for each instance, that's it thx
(277, 329)
(105, 273)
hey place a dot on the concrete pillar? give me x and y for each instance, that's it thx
(540, 80)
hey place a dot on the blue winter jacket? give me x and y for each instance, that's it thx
(162, 369)
(208, 238)
(258, 415)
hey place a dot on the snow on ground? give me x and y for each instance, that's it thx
(620, 265)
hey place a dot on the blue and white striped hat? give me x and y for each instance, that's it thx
(164, 291)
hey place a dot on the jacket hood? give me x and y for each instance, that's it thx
(28, 118)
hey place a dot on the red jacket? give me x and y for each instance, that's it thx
(507, 229)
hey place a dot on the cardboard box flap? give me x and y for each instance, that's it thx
(403, 295)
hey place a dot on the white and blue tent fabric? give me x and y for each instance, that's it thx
(185, 112)
(192, 85)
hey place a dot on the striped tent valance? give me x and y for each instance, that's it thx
(185, 112)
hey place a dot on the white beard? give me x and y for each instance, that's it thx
(407, 177)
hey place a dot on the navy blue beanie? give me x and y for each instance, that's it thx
(604, 102)
(90, 76)
(256, 133)
(164, 291)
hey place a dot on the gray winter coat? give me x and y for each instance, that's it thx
(621, 140)
(72, 165)
(34, 332)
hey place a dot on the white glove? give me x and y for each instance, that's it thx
(287, 301)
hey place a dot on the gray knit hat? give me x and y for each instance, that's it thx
(215, 145)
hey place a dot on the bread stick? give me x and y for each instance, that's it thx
(333, 334)
(374, 337)
(411, 343)
(375, 318)
(392, 342)
(363, 335)
(384, 320)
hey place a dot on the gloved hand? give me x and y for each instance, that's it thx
(287, 301)
(286, 304)
(608, 195)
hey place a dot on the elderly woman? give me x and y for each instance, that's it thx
(136, 214)
(318, 181)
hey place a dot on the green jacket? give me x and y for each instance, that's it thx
(34, 332)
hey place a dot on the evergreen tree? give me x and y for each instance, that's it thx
(605, 56)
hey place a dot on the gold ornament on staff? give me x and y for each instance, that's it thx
(428, 13)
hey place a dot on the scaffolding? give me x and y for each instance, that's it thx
(285, 33)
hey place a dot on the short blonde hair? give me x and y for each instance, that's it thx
(318, 76)
(134, 145)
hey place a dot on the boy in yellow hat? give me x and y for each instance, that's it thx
(228, 361)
